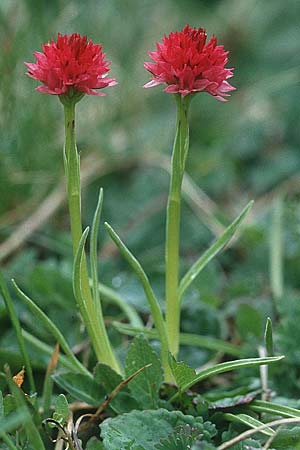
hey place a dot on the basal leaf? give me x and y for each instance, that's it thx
(107, 377)
(183, 374)
(144, 430)
(109, 380)
(81, 387)
(61, 412)
(145, 386)
(181, 439)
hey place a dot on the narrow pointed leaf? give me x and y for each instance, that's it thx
(153, 303)
(77, 276)
(209, 254)
(93, 250)
(47, 323)
(274, 409)
(185, 380)
(269, 337)
(249, 421)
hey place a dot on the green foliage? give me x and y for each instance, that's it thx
(62, 412)
(81, 387)
(94, 444)
(248, 148)
(287, 439)
(145, 386)
(187, 377)
(144, 430)
(217, 246)
(107, 377)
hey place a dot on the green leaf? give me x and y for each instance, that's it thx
(143, 430)
(153, 302)
(47, 323)
(81, 387)
(109, 380)
(107, 377)
(287, 439)
(183, 373)
(94, 444)
(217, 246)
(269, 337)
(186, 377)
(93, 250)
(62, 412)
(145, 386)
(249, 421)
(274, 409)
(195, 340)
(77, 278)
(181, 439)
(10, 404)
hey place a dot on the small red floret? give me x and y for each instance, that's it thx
(187, 64)
(72, 62)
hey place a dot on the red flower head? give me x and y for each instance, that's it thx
(187, 64)
(72, 63)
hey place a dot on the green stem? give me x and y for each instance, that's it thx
(92, 316)
(180, 150)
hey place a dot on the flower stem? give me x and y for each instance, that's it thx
(180, 150)
(92, 315)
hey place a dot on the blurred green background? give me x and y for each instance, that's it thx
(245, 149)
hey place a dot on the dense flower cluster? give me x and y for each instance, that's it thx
(187, 64)
(72, 63)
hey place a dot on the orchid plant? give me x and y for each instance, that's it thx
(72, 67)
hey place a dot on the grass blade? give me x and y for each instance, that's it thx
(47, 323)
(18, 330)
(209, 254)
